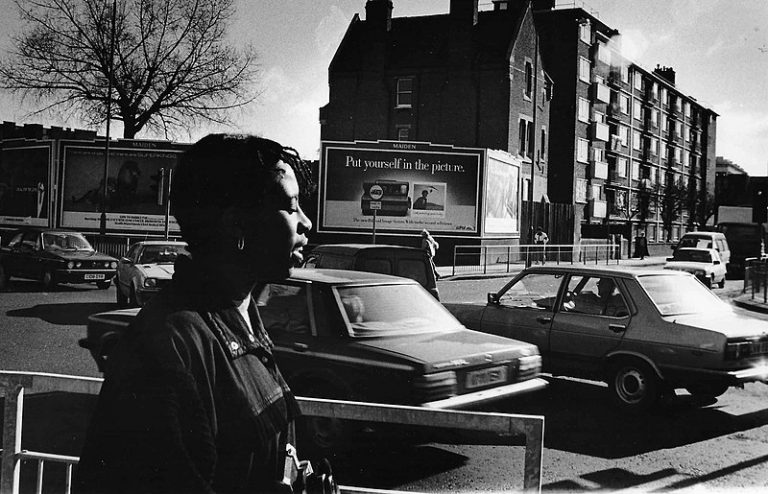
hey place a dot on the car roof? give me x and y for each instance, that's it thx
(703, 234)
(160, 242)
(342, 276)
(354, 248)
(608, 270)
(696, 249)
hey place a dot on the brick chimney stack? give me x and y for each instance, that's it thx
(667, 73)
(378, 13)
(464, 11)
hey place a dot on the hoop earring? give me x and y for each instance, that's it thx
(240, 243)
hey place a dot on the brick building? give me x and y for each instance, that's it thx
(616, 127)
(466, 78)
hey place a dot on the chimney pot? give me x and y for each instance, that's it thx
(464, 11)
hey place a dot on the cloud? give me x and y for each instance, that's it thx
(330, 30)
(741, 138)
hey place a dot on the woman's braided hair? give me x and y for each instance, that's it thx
(227, 170)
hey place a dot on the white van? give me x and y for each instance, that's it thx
(707, 240)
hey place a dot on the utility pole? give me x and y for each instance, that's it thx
(104, 191)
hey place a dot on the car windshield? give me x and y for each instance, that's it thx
(697, 242)
(388, 310)
(161, 254)
(678, 295)
(693, 256)
(65, 241)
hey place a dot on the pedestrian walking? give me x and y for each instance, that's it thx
(540, 239)
(192, 400)
(641, 246)
(430, 246)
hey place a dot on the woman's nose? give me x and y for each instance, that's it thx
(305, 224)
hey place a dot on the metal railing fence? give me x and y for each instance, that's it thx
(14, 385)
(756, 278)
(469, 259)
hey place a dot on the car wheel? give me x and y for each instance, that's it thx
(48, 279)
(133, 301)
(707, 391)
(122, 300)
(633, 385)
(321, 435)
(3, 278)
(103, 285)
(710, 281)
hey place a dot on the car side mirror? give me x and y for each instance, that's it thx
(126, 260)
(493, 298)
(716, 263)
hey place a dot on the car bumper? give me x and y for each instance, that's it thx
(83, 275)
(487, 395)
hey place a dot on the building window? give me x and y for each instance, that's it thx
(621, 167)
(582, 152)
(687, 109)
(598, 154)
(624, 134)
(654, 146)
(596, 192)
(624, 104)
(663, 149)
(678, 155)
(663, 95)
(403, 132)
(526, 137)
(686, 159)
(584, 68)
(654, 90)
(603, 53)
(635, 171)
(543, 143)
(585, 32)
(636, 140)
(654, 117)
(528, 79)
(686, 133)
(404, 92)
(583, 109)
(637, 110)
(580, 194)
(638, 81)
(625, 73)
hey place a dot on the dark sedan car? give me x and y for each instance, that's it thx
(644, 332)
(376, 338)
(54, 256)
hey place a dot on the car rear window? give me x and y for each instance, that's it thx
(678, 295)
(388, 310)
(693, 256)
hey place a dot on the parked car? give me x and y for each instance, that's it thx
(370, 337)
(644, 332)
(145, 269)
(398, 260)
(54, 256)
(746, 240)
(704, 264)
(707, 240)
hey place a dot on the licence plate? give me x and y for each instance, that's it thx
(93, 276)
(485, 377)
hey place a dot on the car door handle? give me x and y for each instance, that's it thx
(544, 319)
(617, 328)
(300, 347)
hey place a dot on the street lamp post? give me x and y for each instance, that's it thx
(105, 189)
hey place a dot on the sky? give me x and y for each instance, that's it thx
(718, 48)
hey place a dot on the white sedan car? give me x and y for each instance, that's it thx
(145, 269)
(705, 264)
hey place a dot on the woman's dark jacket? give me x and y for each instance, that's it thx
(191, 401)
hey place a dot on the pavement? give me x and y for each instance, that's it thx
(756, 303)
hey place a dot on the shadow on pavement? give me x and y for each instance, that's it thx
(30, 286)
(63, 314)
(581, 419)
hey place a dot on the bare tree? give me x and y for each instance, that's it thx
(171, 66)
(672, 198)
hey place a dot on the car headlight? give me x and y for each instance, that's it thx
(113, 265)
(150, 283)
(70, 265)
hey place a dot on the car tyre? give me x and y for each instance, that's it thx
(321, 436)
(633, 385)
(4, 278)
(103, 285)
(122, 300)
(133, 301)
(722, 282)
(709, 282)
(49, 280)
(707, 391)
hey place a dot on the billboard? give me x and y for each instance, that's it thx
(409, 186)
(502, 193)
(133, 178)
(25, 185)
